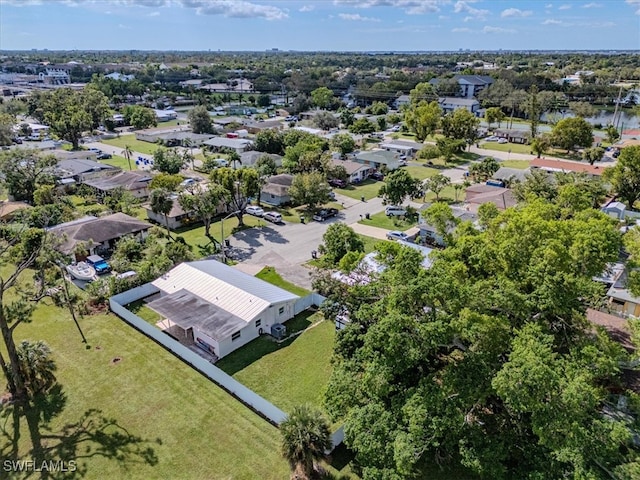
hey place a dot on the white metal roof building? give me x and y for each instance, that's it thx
(232, 295)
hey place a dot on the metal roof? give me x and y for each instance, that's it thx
(232, 290)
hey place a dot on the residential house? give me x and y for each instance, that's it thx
(479, 194)
(513, 136)
(357, 171)
(402, 147)
(255, 127)
(251, 157)
(177, 217)
(97, 234)
(240, 145)
(450, 104)
(429, 233)
(470, 85)
(44, 146)
(378, 158)
(401, 101)
(121, 77)
(509, 175)
(75, 170)
(173, 137)
(276, 190)
(136, 183)
(615, 210)
(219, 308)
(566, 166)
(621, 300)
(165, 115)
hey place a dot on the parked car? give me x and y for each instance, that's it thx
(394, 211)
(397, 235)
(94, 149)
(332, 195)
(273, 217)
(492, 138)
(255, 211)
(337, 183)
(104, 156)
(99, 264)
(325, 213)
(377, 176)
(187, 182)
(503, 140)
(402, 163)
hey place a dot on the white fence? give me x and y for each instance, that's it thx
(305, 302)
(263, 407)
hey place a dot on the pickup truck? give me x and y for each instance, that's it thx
(325, 213)
(99, 264)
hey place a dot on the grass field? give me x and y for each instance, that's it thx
(189, 427)
(195, 237)
(420, 172)
(506, 147)
(270, 275)
(135, 145)
(120, 162)
(368, 189)
(521, 164)
(380, 220)
(290, 373)
(448, 194)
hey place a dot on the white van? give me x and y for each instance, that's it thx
(273, 217)
(395, 211)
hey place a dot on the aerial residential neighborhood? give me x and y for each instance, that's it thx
(325, 240)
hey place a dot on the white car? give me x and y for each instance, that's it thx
(492, 138)
(503, 140)
(255, 211)
(397, 235)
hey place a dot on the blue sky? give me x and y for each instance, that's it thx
(342, 25)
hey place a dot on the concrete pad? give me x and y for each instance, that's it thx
(370, 231)
(248, 268)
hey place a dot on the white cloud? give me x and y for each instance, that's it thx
(566, 6)
(234, 9)
(306, 8)
(462, 30)
(464, 7)
(468, 19)
(552, 21)
(549, 5)
(123, 27)
(592, 5)
(154, 14)
(490, 29)
(515, 12)
(635, 4)
(411, 7)
(560, 23)
(443, 17)
(356, 17)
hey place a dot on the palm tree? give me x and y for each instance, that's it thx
(37, 366)
(305, 438)
(456, 189)
(188, 143)
(234, 158)
(162, 203)
(127, 152)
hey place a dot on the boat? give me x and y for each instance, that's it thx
(82, 271)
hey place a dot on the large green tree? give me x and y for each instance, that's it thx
(322, 97)
(485, 359)
(338, 240)
(237, 187)
(624, 177)
(310, 189)
(24, 171)
(461, 125)
(168, 161)
(399, 185)
(436, 184)
(204, 204)
(572, 133)
(200, 120)
(423, 119)
(162, 204)
(139, 117)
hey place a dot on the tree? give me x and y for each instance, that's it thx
(322, 97)
(234, 159)
(422, 92)
(347, 118)
(484, 170)
(139, 117)
(24, 171)
(449, 147)
(67, 115)
(582, 109)
(161, 204)
(168, 161)
(310, 189)
(344, 143)
(482, 358)
(624, 177)
(399, 185)
(338, 240)
(270, 141)
(6, 129)
(441, 217)
(128, 153)
(494, 115)
(305, 438)
(238, 186)
(593, 154)
(362, 126)
(436, 184)
(496, 93)
(448, 87)
(612, 134)
(167, 181)
(541, 144)
(266, 166)
(325, 120)
(461, 125)
(37, 366)
(205, 204)
(378, 108)
(200, 120)
(423, 119)
(570, 133)
(534, 110)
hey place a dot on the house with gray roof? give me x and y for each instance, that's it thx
(240, 145)
(75, 170)
(276, 190)
(136, 183)
(251, 157)
(356, 171)
(508, 175)
(450, 104)
(219, 308)
(377, 158)
(470, 85)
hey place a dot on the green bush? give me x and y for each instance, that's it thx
(429, 152)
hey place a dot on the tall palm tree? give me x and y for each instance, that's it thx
(37, 365)
(126, 153)
(305, 438)
(188, 143)
(162, 203)
(234, 158)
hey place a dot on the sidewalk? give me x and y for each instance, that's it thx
(369, 231)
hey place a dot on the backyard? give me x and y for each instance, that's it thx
(368, 189)
(521, 164)
(120, 162)
(380, 220)
(135, 145)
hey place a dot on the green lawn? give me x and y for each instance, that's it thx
(368, 189)
(380, 220)
(420, 172)
(369, 243)
(270, 275)
(194, 235)
(120, 162)
(505, 147)
(135, 145)
(448, 194)
(191, 428)
(140, 309)
(290, 373)
(521, 164)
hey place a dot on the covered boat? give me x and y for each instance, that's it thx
(82, 271)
